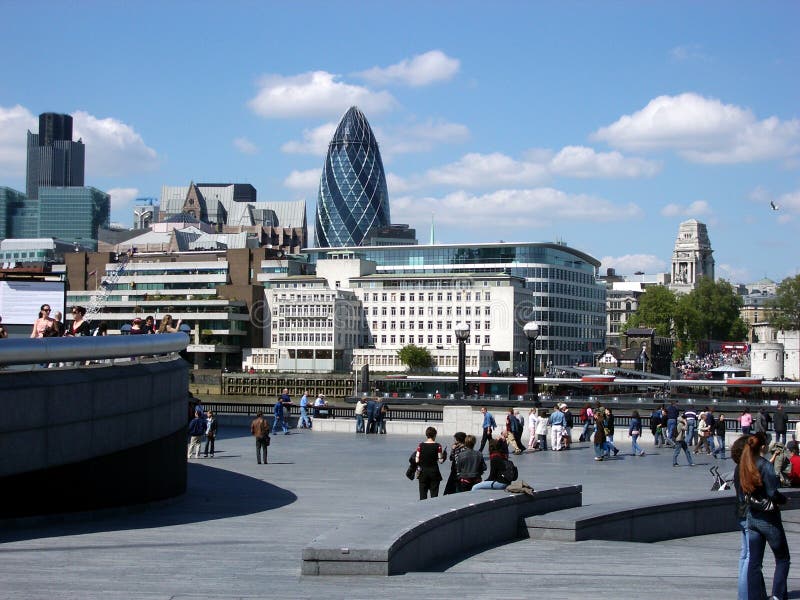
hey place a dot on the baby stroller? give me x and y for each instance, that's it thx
(721, 482)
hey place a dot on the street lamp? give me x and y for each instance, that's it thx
(531, 331)
(462, 335)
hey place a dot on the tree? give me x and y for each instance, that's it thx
(709, 312)
(656, 309)
(415, 357)
(783, 311)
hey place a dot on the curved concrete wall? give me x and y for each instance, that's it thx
(92, 437)
(766, 360)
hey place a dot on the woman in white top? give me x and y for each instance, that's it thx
(533, 418)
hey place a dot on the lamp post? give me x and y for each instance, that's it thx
(462, 335)
(531, 331)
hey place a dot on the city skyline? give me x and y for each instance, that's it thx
(604, 126)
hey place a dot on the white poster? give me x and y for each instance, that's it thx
(20, 300)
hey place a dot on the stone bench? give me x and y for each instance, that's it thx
(684, 516)
(417, 536)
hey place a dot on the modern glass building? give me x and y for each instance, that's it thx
(11, 202)
(568, 302)
(353, 198)
(53, 158)
(73, 214)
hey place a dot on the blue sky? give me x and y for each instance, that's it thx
(601, 124)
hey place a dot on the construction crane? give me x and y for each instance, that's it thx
(107, 285)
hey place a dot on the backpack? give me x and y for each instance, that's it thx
(509, 472)
(583, 415)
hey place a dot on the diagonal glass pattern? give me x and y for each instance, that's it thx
(353, 197)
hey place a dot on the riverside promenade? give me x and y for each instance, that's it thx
(240, 530)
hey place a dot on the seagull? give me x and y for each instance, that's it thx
(773, 206)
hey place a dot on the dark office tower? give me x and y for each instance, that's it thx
(353, 198)
(54, 160)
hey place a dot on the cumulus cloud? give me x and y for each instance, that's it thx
(703, 130)
(113, 148)
(583, 162)
(695, 209)
(314, 94)
(397, 139)
(245, 146)
(14, 125)
(497, 169)
(303, 180)
(512, 208)
(420, 70)
(122, 198)
(633, 263)
(314, 141)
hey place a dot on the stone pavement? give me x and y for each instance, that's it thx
(240, 529)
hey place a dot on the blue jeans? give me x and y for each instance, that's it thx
(671, 424)
(489, 485)
(744, 560)
(720, 446)
(305, 420)
(635, 445)
(678, 446)
(659, 437)
(780, 437)
(359, 423)
(691, 427)
(766, 528)
(587, 431)
(279, 422)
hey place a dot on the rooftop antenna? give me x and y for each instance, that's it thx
(433, 231)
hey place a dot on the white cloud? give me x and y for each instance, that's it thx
(703, 130)
(420, 70)
(695, 209)
(497, 169)
(14, 125)
(397, 184)
(733, 274)
(113, 148)
(399, 139)
(314, 94)
(512, 208)
(486, 170)
(632, 263)
(245, 146)
(688, 52)
(315, 141)
(122, 198)
(303, 180)
(583, 162)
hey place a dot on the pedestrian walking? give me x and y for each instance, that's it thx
(488, 425)
(680, 442)
(634, 431)
(211, 433)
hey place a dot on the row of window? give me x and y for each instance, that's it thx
(439, 296)
(447, 325)
(439, 310)
(429, 339)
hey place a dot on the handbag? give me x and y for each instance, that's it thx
(760, 504)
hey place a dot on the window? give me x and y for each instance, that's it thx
(411, 297)
(486, 339)
(383, 297)
(383, 311)
(402, 311)
(402, 297)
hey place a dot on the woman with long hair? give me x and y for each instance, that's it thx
(167, 326)
(78, 327)
(757, 491)
(43, 325)
(634, 431)
(429, 456)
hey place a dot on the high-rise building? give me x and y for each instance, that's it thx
(692, 257)
(73, 214)
(53, 158)
(353, 198)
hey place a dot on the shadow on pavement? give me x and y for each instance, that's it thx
(211, 494)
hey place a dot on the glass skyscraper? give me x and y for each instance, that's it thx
(353, 198)
(73, 214)
(53, 158)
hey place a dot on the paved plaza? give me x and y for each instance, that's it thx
(240, 530)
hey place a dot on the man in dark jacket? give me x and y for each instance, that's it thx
(372, 406)
(197, 428)
(469, 465)
(779, 422)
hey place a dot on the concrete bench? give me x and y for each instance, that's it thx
(708, 513)
(417, 536)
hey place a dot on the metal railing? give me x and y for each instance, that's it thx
(30, 351)
(332, 412)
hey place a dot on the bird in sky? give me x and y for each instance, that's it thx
(773, 206)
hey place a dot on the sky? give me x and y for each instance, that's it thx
(602, 125)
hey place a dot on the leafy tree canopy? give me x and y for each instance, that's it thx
(784, 310)
(656, 309)
(415, 357)
(709, 312)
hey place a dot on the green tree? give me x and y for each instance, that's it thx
(656, 310)
(709, 312)
(415, 357)
(783, 311)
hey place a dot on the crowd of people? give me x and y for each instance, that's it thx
(699, 367)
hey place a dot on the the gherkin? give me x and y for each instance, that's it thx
(353, 198)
